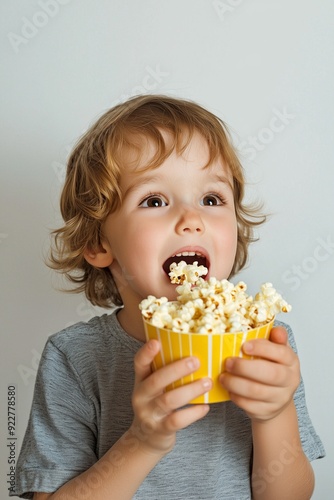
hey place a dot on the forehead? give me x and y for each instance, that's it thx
(142, 153)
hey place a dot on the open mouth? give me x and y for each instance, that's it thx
(188, 257)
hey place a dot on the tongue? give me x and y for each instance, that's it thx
(189, 259)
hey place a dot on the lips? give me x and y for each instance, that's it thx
(189, 255)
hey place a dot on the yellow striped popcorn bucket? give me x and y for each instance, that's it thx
(211, 349)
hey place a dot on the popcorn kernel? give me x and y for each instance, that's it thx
(211, 306)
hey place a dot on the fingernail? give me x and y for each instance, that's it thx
(248, 346)
(151, 345)
(207, 383)
(228, 364)
(193, 363)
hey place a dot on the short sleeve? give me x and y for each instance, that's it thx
(311, 443)
(60, 439)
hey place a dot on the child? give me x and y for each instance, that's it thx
(156, 180)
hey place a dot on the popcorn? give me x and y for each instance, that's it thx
(179, 273)
(211, 306)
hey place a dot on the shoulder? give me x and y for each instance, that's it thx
(78, 341)
(85, 353)
(90, 343)
(83, 334)
(93, 338)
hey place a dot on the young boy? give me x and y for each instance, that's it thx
(156, 180)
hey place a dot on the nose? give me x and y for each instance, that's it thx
(189, 221)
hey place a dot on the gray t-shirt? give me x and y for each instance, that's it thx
(82, 406)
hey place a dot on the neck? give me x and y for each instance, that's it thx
(131, 321)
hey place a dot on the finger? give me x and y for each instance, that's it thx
(279, 335)
(187, 416)
(271, 351)
(153, 385)
(143, 360)
(258, 370)
(248, 389)
(256, 409)
(181, 396)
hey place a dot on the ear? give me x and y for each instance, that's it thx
(100, 256)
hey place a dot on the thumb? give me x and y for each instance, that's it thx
(144, 358)
(279, 335)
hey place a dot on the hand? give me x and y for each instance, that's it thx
(263, 387)
(157, 418)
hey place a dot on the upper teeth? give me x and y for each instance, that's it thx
(191, 254)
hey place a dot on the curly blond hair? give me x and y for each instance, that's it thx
(91, 190)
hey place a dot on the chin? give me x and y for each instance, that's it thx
(171, 295)
(169, 291)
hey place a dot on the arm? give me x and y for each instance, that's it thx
(280, 467)
(117, 475)
(120, 472)
(264, 388)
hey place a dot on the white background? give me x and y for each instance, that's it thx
(247, 61)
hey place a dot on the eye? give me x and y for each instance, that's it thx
(212, 199)
(153, 201)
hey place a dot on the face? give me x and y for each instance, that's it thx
(177, 211)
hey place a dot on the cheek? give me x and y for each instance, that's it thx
(234, 236)
(228, 231)
(229, 244)
(145, 235)
(141, 240)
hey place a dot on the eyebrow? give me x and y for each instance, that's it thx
(223, 179)
(140, 181)
(152, 178)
